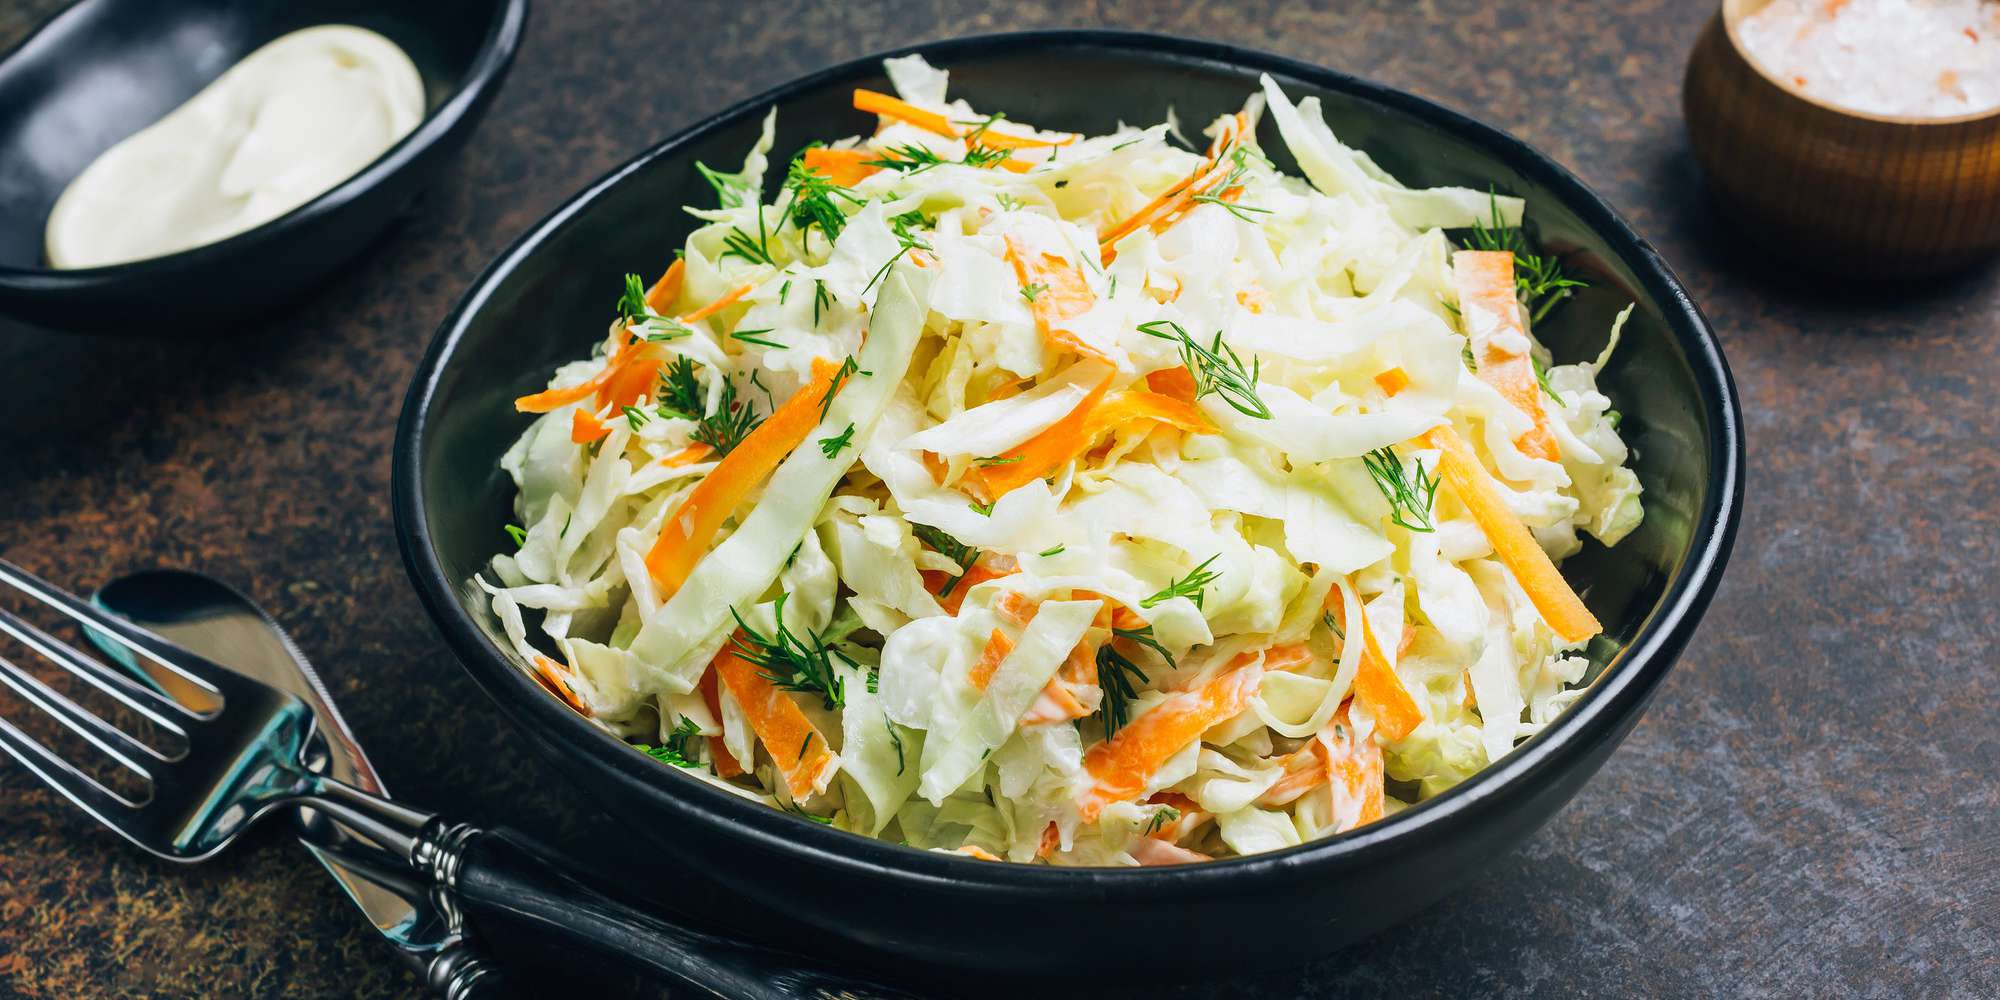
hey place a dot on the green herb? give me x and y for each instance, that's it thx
(520, 534)
(1217, 369)
(798, 810)
(848, 368)
(784, 291)
(1007, 202)
(635, 313)
(1471, 363)
(790, 662)
(1045, 553)
(675, 750)
(1539, 281)
(1114, 676)
(985, 156)
(1409, 502)
(822, 299)
(951, 548)
(815, 200)
(832, 446)
(729, 424)
(1192, 586)
(1160, 818)
(908, 158)
(980, 126)
(1240, 157)
(635, 417)
(1615, 417)
(1029, 292)
(680, 392)
(755, 251)
(804, 746)
(1333, 625)
(982, 509)
(757, 337)
(896, 739)
(992, 460)
(1542, 379)
(1144, 637)
(906, 241)
(731, 190)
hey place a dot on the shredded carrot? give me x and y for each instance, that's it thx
(1178, 198)
(584, 427)
(1515, 547)
(727, 299)
(1076, 431)
(554, 677)
(798, 749)
(636, 374)
(1177, 383)
(661, 296)
(1353, 765)
(1485, 280)
(685, 535)
(990, 567)
(1120, 766)
(997, 648)
(1051, 839)
(1376, 685)
(549, 400)
(725, 763)
(1290, 656)
(1060, 294)
(634, 365)
(1063, 697)
(876, 102)
(845, 167)
(1393, 381)
(976, 851)
(687, 456)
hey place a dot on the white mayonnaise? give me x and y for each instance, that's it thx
(290, 121)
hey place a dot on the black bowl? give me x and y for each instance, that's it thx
(104, 69)
(979, 917)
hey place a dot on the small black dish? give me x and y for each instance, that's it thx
(542, 302)
(104, 69)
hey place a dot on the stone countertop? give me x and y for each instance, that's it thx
(1809, 807)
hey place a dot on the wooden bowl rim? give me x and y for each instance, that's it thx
(1732, 12)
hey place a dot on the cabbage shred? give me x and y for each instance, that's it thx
(1040, 520)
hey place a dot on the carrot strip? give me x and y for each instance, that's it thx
(687, 456)
(1061, 294)
(726, 766)
(1359, 770)
(1393, 381)
(1120, 766)
(728, 299)
(997, 648)
(1485, 280)
(1045, 452)
(635, 375)
(661, 296)
(1177, 383)
(584, 427)
(552, 676)
(876, 102)
(1376, 685)
(788, 736)
(845, 167)
(976, 851)
(1060, 700)
(989, 567)
(1515, 547)
(552, 399)
(685, 535)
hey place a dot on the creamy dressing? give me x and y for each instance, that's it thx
(292, 120)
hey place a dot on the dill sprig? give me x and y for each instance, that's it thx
(848, 369)
(1216, 368)
(896, 739)
(1055, 550)
(635, 417)
(1030, 292)
(739, 243)
(1539, 281)
(799, 811)
(815, 200)
(985, 156)
(635, 313)
(822, 299)
(1160, 818)
(729, 424)
(1409, 502)
(906, 241)
(518, 534)
(680, 392)
(1240, 165)
(1542, 379)
(757, 337)
(908, 158)
(832, 446)
(1114, 677)
(951, 548)
(1193, 586)
(1144, 637)
(790, 662)
(675, 750)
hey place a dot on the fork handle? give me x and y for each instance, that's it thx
(504, 874)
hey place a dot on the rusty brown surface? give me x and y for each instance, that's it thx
(1809, 807)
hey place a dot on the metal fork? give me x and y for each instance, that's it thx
(242, 761)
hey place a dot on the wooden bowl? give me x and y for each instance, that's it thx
(1841, 191)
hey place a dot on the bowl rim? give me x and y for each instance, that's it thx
(1623, 687)
(1731, 13)
(489, 66)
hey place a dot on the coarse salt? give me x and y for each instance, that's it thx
(1916, 58)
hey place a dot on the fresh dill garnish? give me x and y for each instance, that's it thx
(908, 158)
(1409, 502)
(980, 127)
(1471, 363)
(815, 200)
(1160, 818)
(1114, 677)
(985, 156)
(635, 417)
(1542, 379)
(784, 291)
(1143, 635)
(1240, 165)
(832, 446)
(757, 337)
(755, 251)
(518, 534)
(982, 509)
(1029, 292)
(993, 460)
(1333, 625)
(799, 811)
(790, 662)
(1615, 417)
(1539, 281)
(675, 750)
(1217, 369)
(805, 745)
(680, 393)
(1008, 202)
(635, 313)
(906, 241)
(1055, 551)
(1192, 586)
(731, 190)
(821, 298)
(950, 548)
(896, 739)
(729, 424)
(847, 369)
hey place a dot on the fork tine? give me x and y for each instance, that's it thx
(196, 669)
(133, 695)
(105, 736)
(102, 803)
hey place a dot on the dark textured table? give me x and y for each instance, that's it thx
(1810, 807)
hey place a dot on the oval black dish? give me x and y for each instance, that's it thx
(1078, 925)
(104, 69)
